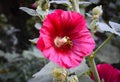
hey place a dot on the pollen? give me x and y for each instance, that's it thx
(65, 41)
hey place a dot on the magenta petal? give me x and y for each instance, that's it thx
(53, 57)
(40, 44)
(108, 73)
(69, 61)
(65, 61)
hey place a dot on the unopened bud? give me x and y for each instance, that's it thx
(59, 74)
(102, 80)
(97, 11)
(74, 79)
(33, 5)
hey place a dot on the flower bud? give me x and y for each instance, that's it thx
(59, 74)
(97, 11)
(74, 79)
(33, 5)
(43, 4)
(102, 80)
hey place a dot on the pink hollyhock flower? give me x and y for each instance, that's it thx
(108, 73)
(65, 39)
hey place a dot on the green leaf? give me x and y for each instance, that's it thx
(115, 26)
(46, 78)
(85, 78)
(81, 69)
(45, 74)
(84, 3)
(104, 27)
(109, 54)
(89, 15)
(29, 11)
(11, 56)
(40, 11)
(34, 40)
(1, 53)
(37, 26)
(46, 70)
(29, 54)
(101, 27)
(61, 2)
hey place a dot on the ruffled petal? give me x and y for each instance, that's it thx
(84, 43)
(51, 26)
(69, 59)
(44, 42)
(51, 54)
(72, 25)
(40, 44)
(108, 73)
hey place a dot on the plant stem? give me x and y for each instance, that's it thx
(75, 5)
(94, 69)
(92, 56)
(66, 79)
(104, 43)
(93, 26)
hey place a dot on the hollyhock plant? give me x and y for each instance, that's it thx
(108, 73)
(65, 39)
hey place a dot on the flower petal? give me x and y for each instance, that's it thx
(108, 73)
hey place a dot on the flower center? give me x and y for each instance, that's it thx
(65, 41)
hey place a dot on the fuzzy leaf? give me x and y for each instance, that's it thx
(115, 26)
(46, 78)
(11, 57)
(61, 2)
(1, 53)
(37, 53)
(82, 68)
(34, 40)
(84, 3)
(45, 74)
(38, 26)
(89, 15)
(46, 70)
(31, 54)
(29, 11)
(40, 11)
(104, 27)
(85, 78)
(109, 54)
